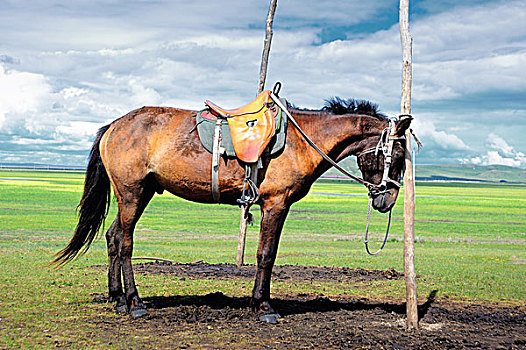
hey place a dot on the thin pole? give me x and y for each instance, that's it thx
(242, 236)
(409, 193)
(266, 48)
(261, 85)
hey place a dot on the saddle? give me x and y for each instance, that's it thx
(246, 133)
(251, 126)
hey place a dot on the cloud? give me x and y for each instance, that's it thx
(499, 153)
(454, 54)
(79, 65)
(22, 92)
(425, 128)
(76, 130)
(500, 145)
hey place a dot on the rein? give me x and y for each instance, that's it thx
(367, 184)
(385, 144)
(366, 241)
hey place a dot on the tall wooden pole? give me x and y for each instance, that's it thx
(261, 85)
(409, 192)
(266, 48)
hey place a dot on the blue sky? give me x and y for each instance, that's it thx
(67, 68)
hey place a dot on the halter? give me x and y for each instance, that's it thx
(385, 145)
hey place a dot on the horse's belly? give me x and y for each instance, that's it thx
(195, 185)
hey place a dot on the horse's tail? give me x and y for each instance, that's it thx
(93, 206)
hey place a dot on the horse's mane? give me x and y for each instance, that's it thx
(339, 106)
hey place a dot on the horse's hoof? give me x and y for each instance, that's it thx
(121, 309)
(138, 312)
(269, 318)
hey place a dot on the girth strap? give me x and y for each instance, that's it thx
(216, 153)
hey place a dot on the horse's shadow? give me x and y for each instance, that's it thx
(285, 306)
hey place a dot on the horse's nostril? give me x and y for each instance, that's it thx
(379, 201)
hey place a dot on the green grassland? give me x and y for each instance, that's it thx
(470, 246)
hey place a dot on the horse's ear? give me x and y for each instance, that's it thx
(402, 125)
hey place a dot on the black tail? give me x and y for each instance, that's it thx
(94, 205)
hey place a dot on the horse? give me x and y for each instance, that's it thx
(153, 149)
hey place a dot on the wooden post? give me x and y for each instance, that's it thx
(242, 236)
(266, 48)
(261, 85)
(409, 193)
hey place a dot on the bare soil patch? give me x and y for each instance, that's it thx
(218, 321)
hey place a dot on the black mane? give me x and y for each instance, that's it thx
(337, 105)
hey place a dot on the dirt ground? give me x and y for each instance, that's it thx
(218, 321)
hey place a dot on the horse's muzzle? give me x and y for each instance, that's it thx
(383, 202)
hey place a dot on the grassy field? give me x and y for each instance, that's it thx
(470, 246)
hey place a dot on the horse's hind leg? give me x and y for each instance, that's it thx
(131, 206)
(113, 236)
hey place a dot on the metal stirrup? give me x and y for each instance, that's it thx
(250, 192)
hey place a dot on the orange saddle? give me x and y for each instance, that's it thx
(251, 126)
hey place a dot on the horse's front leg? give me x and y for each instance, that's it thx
(273, 216)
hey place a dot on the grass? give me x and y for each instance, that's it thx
(470, 245)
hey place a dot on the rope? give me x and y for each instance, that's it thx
(366, 241)
(369, 185)
(385, 144)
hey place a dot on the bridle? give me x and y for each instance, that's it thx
(385, 145)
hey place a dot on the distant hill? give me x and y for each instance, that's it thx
(454, 172)
(492, 173)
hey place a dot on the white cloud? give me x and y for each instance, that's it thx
(12, 159)
(73, 92)
(31, 141)
(499, 153)
(425, 128)
(500, 145)
(22, 92)
(471, 49)
(77, 130)
(84, 63)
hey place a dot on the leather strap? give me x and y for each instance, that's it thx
(367, 184)
(216, 153)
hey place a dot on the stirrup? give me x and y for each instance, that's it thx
(250, 193)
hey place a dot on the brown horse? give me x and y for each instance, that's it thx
(153, 149)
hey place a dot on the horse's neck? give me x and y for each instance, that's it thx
(339, 136)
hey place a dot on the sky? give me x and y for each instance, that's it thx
(68, 68)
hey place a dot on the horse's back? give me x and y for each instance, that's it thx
(162, 143)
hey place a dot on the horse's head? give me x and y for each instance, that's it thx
(382, 164)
